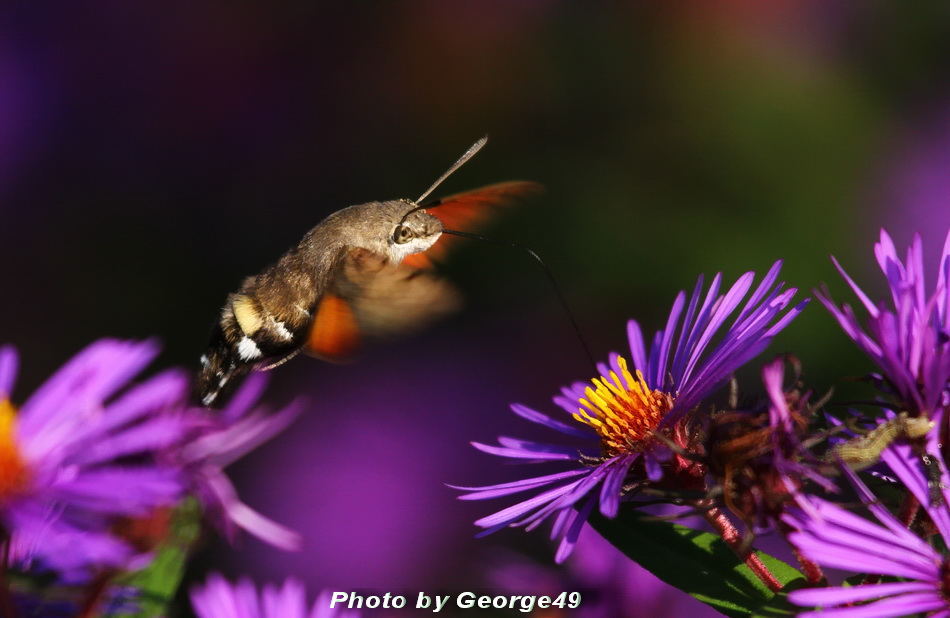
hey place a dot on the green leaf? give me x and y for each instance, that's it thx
(157, 584)
(698, 563)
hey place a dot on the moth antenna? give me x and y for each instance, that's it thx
(465, 157)
(547, 272)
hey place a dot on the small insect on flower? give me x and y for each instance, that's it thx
(865, 451)
(362, 271)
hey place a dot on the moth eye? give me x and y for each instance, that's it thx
(402, 235)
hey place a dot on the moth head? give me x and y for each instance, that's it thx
(415, 232)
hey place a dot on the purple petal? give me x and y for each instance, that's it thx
(517, 453)
(845, 555)
(505, 489)
(250, 520)
(638, 354)
(907, 467)
(147, 437)
(786, 319)
(247, 395)
(290, 600)
(698, 327)
(234, 441)
(869, 306)
(726, 305)
(9, 363)
(219, 599)
(158, 393)
(573, 532)
(127, 491)
(610, 490)
(658, 368)
(840, 596)
(943, 285)
(680, 357)
(507, 515)
(904, 605)
(59, 546)
(91, 377)
(580, 431)
(760, 291)
(773, 373)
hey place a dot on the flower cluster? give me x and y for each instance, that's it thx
(96, 454)
(638, 427)
(91, 456)
(650, 428)
(835, 537)
(909, 342)
(81, 453)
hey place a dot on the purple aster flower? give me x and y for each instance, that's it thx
(620, 415)
(836, 538)
(220, 599)
(81, 453)
(217, 438)
(911, 342)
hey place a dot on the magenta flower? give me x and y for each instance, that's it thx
(217, 438)
(833, 537)
(911, 342)
(66, 471)
(618, 416)
(220, 599)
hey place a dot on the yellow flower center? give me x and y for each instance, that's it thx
(13, 470)
(624, 413)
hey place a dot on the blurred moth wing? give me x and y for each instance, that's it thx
(372, 297)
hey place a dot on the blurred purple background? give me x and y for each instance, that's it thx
(153, 155)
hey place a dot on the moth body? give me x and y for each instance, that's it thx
(269, 318)
(346, 279)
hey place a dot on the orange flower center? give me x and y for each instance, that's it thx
(13, 470)
(623, 410)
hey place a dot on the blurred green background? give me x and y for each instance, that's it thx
(153, 155)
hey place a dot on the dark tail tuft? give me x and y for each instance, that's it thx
(217, 371)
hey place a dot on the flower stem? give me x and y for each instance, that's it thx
(6, 598)
(813, 572)
(95, 596)
(727, 531)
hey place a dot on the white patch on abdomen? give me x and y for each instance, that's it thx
(282, 331)
(247, 349)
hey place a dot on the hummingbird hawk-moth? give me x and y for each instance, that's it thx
(362, 271)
